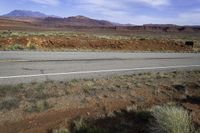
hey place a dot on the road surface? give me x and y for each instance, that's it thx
(23, 67)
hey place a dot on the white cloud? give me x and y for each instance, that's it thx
(47, 2)
(185, 18)
(153, 2)
(112, 4)
(123, 16)
(120, 3)
(119, 11)
(192, 17)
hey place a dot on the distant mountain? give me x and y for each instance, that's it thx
(78, 21)
(118, 24)
(38, 19)
(160, 25)
(25, 13)
(50, 20)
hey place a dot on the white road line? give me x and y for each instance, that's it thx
(97, 71)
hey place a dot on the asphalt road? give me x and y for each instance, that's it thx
(23, 67)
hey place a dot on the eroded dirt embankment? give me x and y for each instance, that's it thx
(94, 43)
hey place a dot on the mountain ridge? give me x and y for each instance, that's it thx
(39, 19)
(79, 20)
(25, 13)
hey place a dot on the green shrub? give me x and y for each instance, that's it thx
(9, 90)
(171, 119)
(39, 106)
(5, 34)
(16, 47)
(9, 103)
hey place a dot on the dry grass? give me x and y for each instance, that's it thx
(38, 106)
(82, 126)
(133, 93)
(61, 130)
(171, 119)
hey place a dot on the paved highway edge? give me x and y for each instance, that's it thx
(97, 71)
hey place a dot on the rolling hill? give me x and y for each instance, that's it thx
(23, 19)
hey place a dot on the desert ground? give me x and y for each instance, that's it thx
(121, 104)
(103, 40)
(80, 33)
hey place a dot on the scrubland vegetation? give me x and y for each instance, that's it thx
(86, 41)
(144, 102)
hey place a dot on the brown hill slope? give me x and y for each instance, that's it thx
(81, 22)
(76, 21)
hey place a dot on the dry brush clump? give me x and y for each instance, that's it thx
(38, 106)
(171, 119)
(61, 130)
(16, 47)
(83, 126)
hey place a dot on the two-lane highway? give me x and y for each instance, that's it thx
(22, 67)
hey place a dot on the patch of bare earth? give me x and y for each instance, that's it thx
(116, 103)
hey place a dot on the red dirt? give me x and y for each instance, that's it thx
(95, 43)
(53, 119)
(110, 95)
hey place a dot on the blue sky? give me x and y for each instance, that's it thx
(182, 12)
